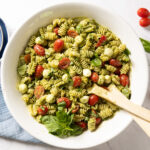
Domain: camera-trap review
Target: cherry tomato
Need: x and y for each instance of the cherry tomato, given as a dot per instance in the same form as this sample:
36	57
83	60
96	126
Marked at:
124	79
56	30
115	63
39	71
39	50
72	33
27	58
38	91
66	100
82	124
117	71
98	120
94	77
143	12
64	63
58	45
76	81
93	99
75	109
101	40
42	110
144	22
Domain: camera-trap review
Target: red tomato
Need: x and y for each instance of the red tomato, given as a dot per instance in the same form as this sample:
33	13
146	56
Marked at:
42	110
93	99
75	109
98	120
39	71
101	40
72	33
27	58
39	50
144	22
76	81
117	71
115	63
124	79
38	91
82	124
58	45
64	63
143	12
66	100
56	30
94	77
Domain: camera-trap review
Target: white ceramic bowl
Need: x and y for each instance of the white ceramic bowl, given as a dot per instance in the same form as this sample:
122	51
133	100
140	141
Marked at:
139	74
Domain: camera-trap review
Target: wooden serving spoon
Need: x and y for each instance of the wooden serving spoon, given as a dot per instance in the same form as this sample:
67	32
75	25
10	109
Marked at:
140	114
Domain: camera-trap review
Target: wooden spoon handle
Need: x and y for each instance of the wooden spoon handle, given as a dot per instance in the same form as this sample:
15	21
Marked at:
114	96
143	124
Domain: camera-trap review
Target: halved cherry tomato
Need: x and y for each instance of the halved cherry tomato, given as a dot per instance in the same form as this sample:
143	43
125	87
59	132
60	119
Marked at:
94	77
101	40
124	79
27	58
143	12
42	110
75	109
144	22
82	124
38	91
72	33
58	45
56	30
115	63
93	99
39	71
76	81
117	71
98	120
39	50
64	63
66	100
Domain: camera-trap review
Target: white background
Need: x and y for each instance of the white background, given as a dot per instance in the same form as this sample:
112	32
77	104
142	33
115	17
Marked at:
14	12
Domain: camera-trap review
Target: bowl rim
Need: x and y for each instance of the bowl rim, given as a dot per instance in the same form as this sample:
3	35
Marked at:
58	3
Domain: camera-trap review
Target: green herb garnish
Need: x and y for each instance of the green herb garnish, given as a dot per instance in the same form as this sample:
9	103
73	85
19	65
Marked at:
127	52
61	125
146	45
96	62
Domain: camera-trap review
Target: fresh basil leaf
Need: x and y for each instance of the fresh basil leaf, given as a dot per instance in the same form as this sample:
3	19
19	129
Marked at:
127	52
79	28
77	130
62	104
96	62
22	70
146	45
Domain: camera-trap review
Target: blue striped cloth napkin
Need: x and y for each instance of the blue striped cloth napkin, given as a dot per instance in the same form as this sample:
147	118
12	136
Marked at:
9	128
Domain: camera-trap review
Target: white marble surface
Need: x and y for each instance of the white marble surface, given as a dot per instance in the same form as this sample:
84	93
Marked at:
14	12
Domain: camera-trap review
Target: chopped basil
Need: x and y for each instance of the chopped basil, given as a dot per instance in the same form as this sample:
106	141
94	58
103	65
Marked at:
96	62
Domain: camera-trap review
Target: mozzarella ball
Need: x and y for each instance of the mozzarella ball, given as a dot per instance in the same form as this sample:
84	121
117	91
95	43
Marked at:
54	63
65	78
46	73
23	88
84	99
107	79
108	52
87	72
50	98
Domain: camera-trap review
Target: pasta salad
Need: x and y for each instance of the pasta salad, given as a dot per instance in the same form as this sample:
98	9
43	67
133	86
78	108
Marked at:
60	62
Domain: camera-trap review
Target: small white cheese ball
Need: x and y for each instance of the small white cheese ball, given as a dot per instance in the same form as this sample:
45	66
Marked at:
107	79
108	52
87	72
23	88
84	99
78	39
50	98
46	73
65	78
